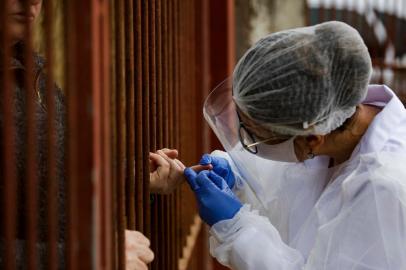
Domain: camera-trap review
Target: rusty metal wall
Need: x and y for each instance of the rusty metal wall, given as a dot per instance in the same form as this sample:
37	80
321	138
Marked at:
135	76
55	163
157	46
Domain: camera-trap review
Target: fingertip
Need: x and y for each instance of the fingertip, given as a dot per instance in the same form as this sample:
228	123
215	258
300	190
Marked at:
205	160
172	153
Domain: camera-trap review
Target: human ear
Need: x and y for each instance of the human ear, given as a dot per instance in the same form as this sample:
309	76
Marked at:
315	144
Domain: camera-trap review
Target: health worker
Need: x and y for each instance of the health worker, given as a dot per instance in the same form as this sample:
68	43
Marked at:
314	173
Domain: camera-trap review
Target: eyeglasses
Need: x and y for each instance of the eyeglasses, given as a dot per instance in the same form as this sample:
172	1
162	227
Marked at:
248	141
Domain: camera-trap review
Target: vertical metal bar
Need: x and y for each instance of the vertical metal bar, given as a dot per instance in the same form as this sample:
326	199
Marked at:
166	79
8	159
205	53
160	82
155	221
101	124
31	150
157	214
114	137
170	206
152	75
121	124
181	55
146	121
139	112
129	61
152	92
80	140
52	188
153	111
175	37
153	80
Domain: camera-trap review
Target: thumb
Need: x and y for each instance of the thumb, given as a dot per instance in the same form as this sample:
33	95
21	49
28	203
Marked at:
205	160
191	178
218	180
203	180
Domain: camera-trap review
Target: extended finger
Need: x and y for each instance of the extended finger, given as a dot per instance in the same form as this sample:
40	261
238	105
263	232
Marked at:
172	153
180	164
172	163
199	168
159	160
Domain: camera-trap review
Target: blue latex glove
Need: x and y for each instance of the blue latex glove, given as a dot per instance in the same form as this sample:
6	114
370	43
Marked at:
220	167
215	199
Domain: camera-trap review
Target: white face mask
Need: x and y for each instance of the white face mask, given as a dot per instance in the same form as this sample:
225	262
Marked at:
284	151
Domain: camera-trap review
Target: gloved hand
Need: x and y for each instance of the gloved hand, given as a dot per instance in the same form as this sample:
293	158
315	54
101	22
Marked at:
220	167
215	199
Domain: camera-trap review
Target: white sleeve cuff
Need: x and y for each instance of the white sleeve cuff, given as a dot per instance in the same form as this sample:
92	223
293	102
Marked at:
238	243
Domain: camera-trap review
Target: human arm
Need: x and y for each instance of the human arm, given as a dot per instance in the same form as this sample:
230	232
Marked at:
363	235
238	229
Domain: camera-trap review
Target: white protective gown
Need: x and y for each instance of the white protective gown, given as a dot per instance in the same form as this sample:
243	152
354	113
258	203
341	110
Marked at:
306	216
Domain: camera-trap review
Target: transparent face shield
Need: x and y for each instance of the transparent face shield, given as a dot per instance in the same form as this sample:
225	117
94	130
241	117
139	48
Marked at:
220	112
261	174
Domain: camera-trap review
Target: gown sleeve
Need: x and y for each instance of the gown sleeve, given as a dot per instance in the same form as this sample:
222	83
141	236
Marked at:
367	233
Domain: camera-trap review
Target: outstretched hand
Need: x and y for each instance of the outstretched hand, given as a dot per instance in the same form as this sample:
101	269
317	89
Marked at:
166	171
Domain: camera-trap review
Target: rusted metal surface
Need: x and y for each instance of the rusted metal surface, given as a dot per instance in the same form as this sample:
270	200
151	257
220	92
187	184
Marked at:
144	194
130	113
52	187
31	181
8	158
114	137
80	127
102	176
136	73
157	119
120	106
